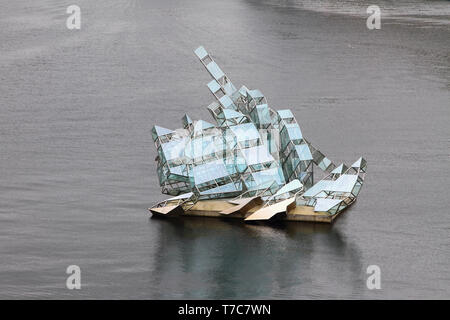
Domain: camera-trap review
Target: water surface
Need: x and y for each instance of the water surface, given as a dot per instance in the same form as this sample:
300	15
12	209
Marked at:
77	168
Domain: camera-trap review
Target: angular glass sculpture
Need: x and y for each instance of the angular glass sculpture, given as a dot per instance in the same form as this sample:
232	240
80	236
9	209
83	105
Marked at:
251	150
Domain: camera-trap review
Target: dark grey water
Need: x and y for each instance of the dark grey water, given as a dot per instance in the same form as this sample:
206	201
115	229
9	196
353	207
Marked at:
76	156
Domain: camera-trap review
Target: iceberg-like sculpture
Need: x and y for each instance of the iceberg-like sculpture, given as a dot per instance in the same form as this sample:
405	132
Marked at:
253	163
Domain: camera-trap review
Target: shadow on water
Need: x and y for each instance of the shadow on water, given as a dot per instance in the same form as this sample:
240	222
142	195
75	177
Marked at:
225	259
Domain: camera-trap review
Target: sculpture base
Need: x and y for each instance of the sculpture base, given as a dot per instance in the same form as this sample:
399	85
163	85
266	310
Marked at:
221	209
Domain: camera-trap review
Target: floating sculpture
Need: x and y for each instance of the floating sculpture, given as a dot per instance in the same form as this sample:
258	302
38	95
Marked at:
254	163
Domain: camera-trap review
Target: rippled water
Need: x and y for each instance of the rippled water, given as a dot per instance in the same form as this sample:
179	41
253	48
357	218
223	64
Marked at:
76	156
425	11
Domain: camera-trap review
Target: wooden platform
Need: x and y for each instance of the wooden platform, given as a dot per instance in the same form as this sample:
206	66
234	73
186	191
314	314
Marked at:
224	209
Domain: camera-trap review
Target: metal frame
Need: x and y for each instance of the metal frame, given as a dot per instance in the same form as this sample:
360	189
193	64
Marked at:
243	117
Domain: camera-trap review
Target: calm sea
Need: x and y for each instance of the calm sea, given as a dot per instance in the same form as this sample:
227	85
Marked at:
77	168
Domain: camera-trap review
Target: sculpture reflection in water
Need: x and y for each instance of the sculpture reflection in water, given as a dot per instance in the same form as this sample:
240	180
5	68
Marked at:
253	163
200	258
